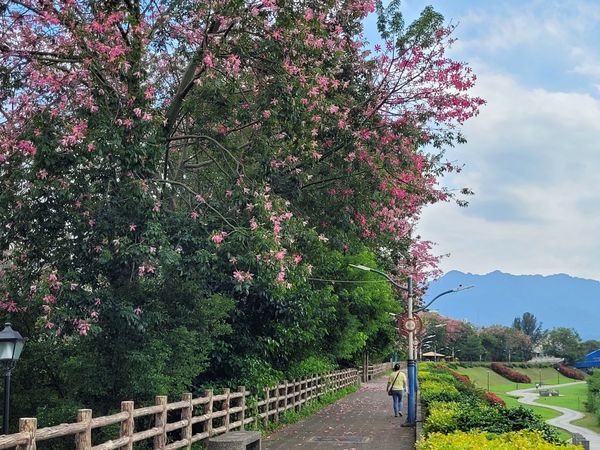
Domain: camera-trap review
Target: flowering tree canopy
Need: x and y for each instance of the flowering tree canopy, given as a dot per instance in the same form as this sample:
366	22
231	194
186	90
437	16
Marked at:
252	126
180	180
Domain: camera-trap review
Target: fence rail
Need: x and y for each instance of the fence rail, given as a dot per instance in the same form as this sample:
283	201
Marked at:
195	419
377	369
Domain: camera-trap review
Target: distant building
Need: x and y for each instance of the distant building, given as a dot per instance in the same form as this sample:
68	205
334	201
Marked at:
591	360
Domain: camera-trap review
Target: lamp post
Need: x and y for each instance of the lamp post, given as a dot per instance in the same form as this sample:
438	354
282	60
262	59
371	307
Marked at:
411	365
11	346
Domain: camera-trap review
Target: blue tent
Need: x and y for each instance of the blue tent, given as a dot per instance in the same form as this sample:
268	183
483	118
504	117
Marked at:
590	361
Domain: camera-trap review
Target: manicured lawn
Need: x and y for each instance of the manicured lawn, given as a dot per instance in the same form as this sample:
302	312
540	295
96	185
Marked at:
572	397
498	384
590	421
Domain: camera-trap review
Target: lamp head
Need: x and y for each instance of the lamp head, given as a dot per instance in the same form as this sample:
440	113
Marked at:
11	345
462	288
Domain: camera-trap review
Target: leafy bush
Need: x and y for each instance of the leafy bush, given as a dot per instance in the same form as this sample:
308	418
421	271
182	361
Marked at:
493	399
310	366
432	390
524	418
571	372
461	377
441	417
477	440
593	401
509	373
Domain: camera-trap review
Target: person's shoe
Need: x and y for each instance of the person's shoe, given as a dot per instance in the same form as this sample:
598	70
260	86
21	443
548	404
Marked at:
400	414
395	415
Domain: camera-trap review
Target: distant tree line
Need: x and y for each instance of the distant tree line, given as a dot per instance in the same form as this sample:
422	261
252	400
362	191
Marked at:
520	342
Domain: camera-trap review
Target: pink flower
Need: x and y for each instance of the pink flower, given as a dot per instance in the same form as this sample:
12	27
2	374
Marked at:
266	114
132	227
207	60
217	238
194	215
137	311
297	259
253	224
280	255
49	299
281	276
27	147
83	327
241	276
156	207
200	199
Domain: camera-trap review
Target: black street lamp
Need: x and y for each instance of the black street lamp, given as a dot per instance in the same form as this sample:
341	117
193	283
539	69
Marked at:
11	346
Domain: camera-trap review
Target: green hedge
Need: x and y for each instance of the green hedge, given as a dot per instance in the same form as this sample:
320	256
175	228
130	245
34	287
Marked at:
457	405
479	440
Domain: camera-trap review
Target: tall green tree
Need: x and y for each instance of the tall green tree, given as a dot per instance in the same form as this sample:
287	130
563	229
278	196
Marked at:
564	343
529	325
179	177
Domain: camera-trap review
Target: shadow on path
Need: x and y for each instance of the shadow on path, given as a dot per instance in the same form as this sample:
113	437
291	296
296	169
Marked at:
528	397
362	420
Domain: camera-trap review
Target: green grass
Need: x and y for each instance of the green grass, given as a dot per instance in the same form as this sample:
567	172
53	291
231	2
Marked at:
498	384
590	421
572	397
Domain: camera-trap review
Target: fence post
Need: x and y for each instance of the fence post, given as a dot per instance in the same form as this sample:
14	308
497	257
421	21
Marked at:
28	425
242	390
277	392
186	414
208	410
128	424
267	407
294	394
83	440
160	421
225	407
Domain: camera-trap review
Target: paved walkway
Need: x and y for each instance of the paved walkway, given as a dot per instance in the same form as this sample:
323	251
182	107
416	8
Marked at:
528	396
363	420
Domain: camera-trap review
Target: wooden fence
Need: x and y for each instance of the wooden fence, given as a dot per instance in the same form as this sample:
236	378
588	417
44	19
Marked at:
195	419
377	369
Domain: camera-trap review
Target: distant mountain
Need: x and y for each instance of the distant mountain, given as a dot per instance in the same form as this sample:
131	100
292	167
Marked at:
555	300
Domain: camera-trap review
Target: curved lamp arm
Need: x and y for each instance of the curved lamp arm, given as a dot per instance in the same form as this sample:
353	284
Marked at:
383	274
459	288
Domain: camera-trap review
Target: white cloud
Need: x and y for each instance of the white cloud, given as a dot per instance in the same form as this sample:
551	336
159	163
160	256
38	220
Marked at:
533	160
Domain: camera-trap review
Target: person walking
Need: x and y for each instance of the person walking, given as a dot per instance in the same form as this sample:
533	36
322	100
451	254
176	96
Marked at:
396	386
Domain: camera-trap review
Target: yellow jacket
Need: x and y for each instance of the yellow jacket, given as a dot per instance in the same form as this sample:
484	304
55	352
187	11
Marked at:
399	384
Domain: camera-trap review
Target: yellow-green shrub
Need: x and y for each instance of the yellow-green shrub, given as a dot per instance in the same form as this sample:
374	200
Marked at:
441	417
432	390
478	440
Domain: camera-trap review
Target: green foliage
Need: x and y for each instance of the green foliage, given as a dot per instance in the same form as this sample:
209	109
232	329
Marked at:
308	409
467	409
441	417
529	325
563	343
593	399
438	391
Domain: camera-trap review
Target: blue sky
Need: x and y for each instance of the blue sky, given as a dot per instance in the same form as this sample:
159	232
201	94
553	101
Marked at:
533	156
